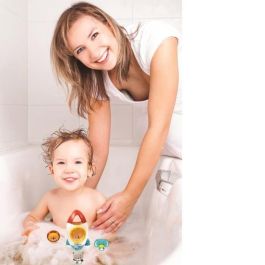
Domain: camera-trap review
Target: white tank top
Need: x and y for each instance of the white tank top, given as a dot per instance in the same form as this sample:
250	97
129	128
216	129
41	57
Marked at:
149	37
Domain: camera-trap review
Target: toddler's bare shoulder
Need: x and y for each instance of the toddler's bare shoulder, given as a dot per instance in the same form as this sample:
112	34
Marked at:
52	193
95	194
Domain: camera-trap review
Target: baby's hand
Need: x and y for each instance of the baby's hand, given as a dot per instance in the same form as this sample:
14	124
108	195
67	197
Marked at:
28	228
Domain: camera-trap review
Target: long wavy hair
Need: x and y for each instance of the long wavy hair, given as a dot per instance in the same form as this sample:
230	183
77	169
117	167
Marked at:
84	84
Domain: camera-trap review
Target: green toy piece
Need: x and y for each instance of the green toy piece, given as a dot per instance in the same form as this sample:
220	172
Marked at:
101	244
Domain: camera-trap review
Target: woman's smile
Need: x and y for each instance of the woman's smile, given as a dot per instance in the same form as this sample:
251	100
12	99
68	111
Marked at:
104	57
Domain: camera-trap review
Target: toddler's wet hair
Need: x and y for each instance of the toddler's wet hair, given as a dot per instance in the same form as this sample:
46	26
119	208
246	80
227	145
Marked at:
61	136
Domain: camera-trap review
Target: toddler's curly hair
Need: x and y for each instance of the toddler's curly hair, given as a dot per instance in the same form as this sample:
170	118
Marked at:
62	135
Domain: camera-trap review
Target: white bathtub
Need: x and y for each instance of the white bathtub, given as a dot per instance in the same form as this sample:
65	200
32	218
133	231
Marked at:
24	179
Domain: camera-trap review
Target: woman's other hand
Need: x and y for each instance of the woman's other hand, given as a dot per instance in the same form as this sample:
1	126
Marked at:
113	213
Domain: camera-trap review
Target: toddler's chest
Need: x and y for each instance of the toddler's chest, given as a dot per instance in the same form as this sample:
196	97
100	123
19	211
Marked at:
61	211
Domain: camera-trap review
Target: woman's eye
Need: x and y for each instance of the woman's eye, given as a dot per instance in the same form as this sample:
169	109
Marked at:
79	50
94	35
78	162
60	163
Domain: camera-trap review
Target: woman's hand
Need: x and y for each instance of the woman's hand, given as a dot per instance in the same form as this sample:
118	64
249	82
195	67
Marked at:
114	212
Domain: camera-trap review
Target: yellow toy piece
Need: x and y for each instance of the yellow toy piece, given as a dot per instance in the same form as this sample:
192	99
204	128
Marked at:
77	234
53	236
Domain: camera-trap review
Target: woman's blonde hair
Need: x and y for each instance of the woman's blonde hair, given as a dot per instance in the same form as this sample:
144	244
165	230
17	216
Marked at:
84	84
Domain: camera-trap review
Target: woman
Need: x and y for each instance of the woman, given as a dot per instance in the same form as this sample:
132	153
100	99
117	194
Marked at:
98	60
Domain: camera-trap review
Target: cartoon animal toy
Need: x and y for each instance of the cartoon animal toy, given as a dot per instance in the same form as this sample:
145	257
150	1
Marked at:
101	244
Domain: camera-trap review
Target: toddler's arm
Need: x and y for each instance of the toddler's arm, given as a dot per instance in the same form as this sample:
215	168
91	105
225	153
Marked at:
36	215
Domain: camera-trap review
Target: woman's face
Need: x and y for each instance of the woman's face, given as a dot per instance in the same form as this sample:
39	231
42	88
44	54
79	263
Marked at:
93	43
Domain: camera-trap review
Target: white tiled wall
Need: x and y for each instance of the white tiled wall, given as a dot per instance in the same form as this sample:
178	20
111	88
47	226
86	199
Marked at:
32	104
13	73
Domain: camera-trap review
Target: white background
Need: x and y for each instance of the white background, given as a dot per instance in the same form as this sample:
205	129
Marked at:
224	147
223	72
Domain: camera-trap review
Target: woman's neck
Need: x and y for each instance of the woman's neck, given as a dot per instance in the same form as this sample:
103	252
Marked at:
113	74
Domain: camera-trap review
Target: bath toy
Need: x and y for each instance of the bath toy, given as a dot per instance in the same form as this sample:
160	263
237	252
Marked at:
53	236
167	175
77	235
101	244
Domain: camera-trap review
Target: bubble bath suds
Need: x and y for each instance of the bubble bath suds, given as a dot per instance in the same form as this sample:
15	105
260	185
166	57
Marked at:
37	250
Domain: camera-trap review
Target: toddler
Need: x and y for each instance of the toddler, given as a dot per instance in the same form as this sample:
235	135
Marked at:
69	156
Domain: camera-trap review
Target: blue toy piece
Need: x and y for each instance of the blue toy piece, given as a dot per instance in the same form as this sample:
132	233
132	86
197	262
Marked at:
78	246
101	244
87	243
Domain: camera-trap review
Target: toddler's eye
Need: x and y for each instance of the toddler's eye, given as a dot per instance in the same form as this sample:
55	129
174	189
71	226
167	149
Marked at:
94	35
60	163
78	162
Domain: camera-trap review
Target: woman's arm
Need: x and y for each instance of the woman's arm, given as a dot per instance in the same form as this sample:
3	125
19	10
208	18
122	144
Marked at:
99	135
162	96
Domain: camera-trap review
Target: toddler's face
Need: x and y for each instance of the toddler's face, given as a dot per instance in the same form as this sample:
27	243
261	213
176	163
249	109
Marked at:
70	164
